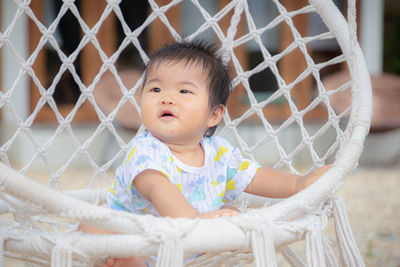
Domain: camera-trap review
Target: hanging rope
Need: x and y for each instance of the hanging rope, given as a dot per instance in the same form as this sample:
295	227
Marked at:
61	255
349	253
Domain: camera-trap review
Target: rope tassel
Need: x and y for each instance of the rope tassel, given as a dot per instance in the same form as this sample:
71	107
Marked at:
292	257
263	248
319	251
315	249
61	256
349	253
328	252
170	253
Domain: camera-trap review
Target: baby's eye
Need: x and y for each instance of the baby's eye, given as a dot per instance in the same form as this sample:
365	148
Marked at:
155	90
184	91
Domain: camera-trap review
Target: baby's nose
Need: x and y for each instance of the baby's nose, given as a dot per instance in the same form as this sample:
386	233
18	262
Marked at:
167	100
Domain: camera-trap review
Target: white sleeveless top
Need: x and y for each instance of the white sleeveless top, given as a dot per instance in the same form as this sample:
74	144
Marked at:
223	177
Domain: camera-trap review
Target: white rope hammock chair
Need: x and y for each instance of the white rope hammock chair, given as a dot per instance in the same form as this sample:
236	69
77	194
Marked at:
38	222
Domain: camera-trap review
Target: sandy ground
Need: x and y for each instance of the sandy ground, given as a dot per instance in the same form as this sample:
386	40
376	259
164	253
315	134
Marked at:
372	198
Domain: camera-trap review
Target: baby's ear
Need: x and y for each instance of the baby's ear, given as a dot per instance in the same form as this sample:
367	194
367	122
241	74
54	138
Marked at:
216	116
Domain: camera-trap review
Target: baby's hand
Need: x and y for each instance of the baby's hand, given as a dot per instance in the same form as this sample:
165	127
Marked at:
305	181
225	212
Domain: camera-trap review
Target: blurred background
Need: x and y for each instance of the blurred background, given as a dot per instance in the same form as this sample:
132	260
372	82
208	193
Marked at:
68	95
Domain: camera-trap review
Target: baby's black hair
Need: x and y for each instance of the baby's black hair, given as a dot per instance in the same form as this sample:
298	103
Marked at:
204	54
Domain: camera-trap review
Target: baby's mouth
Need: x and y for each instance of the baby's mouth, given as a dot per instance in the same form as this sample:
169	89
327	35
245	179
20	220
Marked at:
167	114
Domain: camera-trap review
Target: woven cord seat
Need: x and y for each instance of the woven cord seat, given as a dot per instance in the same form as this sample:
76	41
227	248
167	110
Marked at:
265	226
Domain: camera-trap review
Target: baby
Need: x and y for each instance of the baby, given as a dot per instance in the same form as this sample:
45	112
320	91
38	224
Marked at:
177	167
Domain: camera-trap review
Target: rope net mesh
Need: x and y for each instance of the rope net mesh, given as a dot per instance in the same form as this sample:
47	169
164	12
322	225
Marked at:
289	136
292	125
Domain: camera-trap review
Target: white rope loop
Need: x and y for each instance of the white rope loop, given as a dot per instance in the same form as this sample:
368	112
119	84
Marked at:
351	17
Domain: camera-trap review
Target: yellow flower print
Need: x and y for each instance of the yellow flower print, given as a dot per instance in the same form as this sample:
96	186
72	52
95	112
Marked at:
219	180
179	187
244	165
222	194
179	169
130	154
166	175
146	210
111	189
230	185
222	150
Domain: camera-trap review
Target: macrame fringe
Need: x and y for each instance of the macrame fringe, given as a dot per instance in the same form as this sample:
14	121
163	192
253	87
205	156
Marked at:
292	257
349	253
328	252
263	247
319	251
61	256
170	253
315	249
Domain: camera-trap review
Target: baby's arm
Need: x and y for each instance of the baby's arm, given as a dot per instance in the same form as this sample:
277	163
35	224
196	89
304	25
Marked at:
168	201
167	198
272	183
163	195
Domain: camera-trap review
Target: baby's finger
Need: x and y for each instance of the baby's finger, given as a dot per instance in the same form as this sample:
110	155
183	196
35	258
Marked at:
228	212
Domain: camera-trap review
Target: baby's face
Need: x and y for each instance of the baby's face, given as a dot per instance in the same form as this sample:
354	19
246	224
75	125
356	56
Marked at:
174	102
